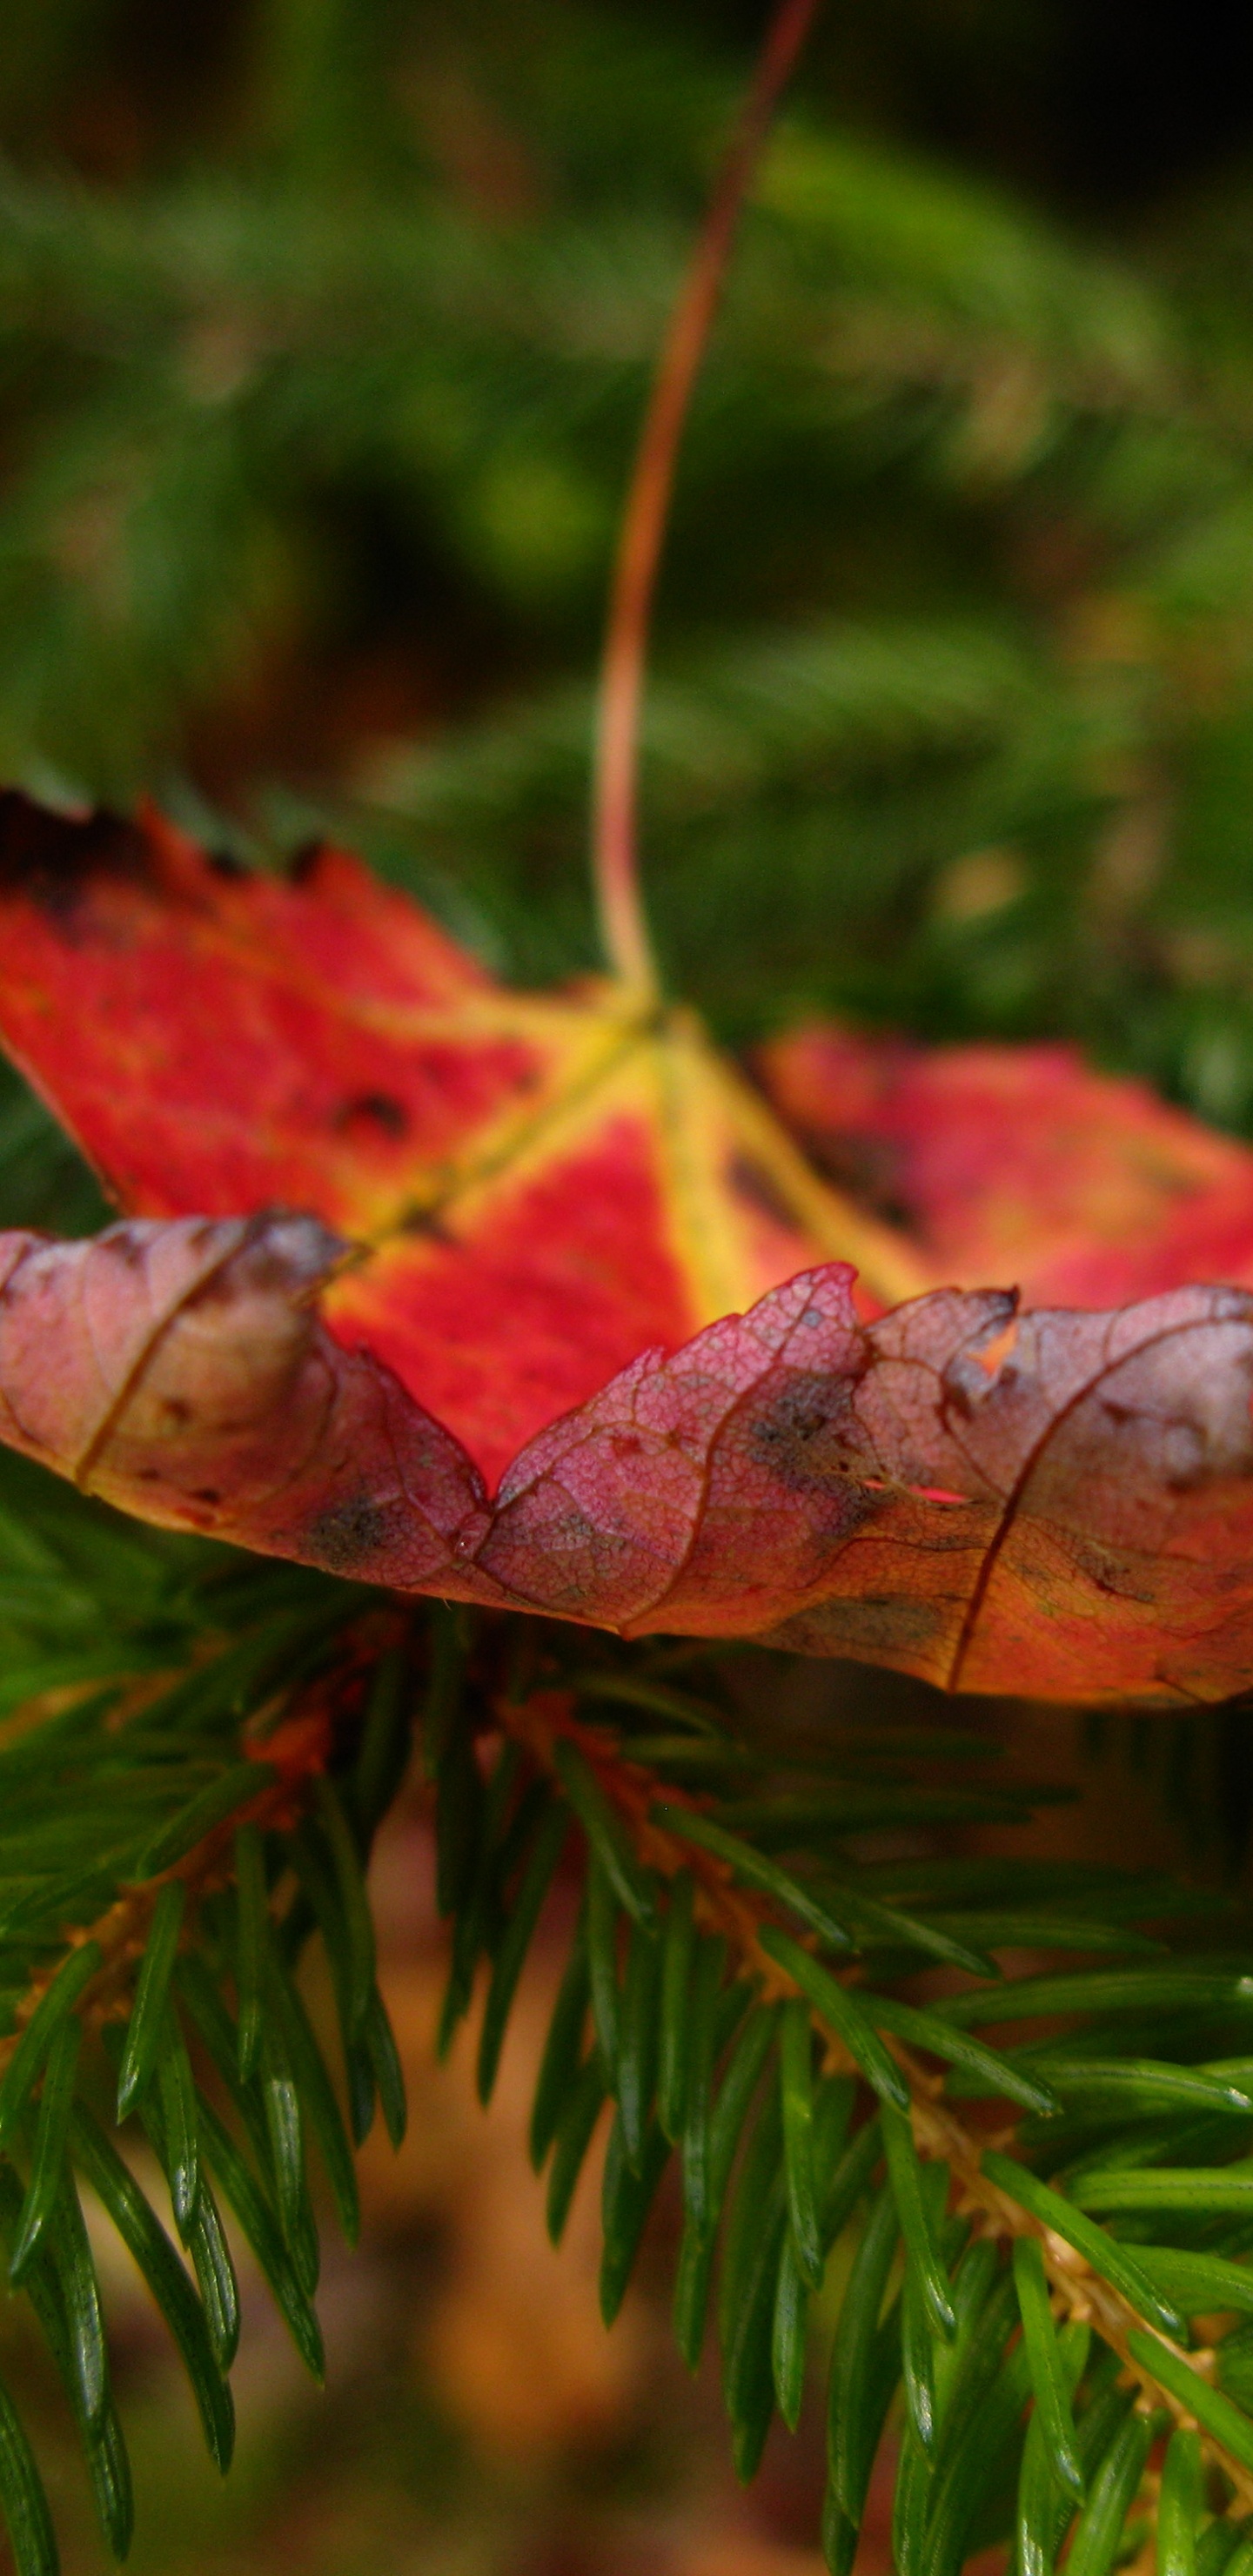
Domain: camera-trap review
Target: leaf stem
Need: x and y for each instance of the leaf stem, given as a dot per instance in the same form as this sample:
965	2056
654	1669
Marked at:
624	930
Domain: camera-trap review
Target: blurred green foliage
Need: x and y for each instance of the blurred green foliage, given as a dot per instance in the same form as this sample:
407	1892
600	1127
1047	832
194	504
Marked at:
325	327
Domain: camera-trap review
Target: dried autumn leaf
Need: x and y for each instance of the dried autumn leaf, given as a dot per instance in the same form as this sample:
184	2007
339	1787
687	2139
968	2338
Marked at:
1061	1503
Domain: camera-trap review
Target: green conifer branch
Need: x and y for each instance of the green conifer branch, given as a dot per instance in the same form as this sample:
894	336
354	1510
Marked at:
725	1913
731	1906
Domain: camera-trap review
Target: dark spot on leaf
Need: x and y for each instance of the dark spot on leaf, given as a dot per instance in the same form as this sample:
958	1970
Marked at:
804	1436
176	1409
206	1494
303	864
378	1109
17	1286
862	1627
752	1182
225	864
124	1245
427	1221
1123	1581
866	1168
350	1535
54	858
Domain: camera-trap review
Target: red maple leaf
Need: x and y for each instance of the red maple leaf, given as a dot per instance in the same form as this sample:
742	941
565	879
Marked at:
550	1190
536	1221
1017	1162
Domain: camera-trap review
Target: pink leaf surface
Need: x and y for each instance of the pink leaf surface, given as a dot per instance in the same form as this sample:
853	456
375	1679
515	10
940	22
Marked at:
1059	1504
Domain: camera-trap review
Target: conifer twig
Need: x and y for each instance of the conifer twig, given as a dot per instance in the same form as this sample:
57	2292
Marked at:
545	1719
615	857
293	1755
